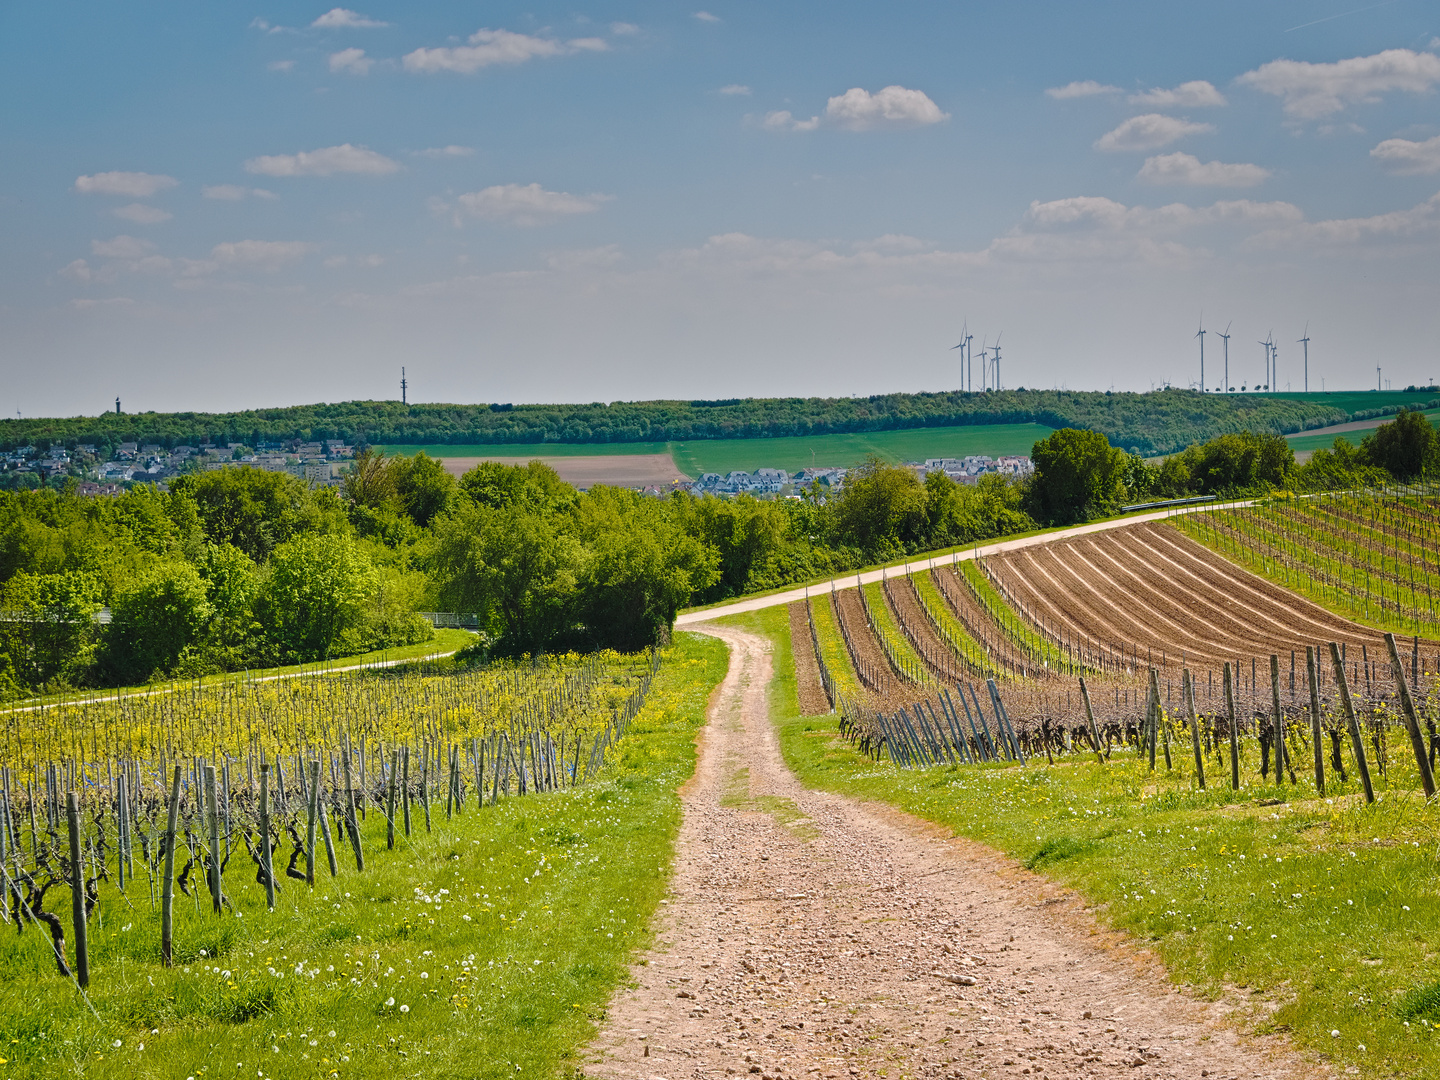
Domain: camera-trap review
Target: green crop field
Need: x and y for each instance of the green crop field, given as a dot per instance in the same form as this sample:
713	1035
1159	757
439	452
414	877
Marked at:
803	451
1352	401
1301	443
527	450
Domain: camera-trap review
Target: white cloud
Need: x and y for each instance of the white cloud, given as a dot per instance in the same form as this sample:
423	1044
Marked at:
134	185
1421	222
624	29
894	106
1409	158
487	47
121	247
527	204
85	303
1310	91
344	158
1188	169
1190	95
142	214
280	65
368	262
782	120
234	192
344	19
1149	132
585	258
446	152
264	254
353	61
78	270
706	17
735	90
1087	88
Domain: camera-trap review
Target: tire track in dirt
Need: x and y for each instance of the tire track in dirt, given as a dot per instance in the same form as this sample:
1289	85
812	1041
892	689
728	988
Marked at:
803	932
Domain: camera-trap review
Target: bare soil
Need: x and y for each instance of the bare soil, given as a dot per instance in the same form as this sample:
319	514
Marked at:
617	470
809	689
809	935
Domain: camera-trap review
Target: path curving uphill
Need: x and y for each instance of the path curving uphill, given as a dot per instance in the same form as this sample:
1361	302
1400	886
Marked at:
810	936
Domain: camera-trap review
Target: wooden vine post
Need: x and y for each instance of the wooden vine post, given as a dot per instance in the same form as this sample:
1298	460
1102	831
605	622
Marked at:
1412	722
1357	741
77	892
312	802
390	801
1089	719
351	825
1234	732
266	869
167	884
213	814
1188	689
1315	734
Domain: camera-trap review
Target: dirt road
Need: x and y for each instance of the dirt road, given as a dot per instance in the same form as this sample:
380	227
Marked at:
808	935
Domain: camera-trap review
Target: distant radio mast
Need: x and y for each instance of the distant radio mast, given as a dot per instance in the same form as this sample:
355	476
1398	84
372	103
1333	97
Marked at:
117	406
403	387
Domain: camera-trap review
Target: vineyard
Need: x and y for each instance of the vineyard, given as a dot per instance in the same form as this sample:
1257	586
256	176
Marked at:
1145	640
264	860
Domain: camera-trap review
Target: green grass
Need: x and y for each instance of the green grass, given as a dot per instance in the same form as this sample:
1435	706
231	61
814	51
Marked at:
444	642
527	450
801	451
1353	401
1301	443
1319	915
488	948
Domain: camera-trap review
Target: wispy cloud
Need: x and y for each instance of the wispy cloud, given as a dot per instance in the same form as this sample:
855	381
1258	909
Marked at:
234	192
134	185
352	61
784	120
1310	91
527	204
446	152
624	29
1186	169
735	90
142	214
1406	158
332	159
1190	95
268	255
121	247
706	17
1149	132
486	48
1086	88
345	19
894	106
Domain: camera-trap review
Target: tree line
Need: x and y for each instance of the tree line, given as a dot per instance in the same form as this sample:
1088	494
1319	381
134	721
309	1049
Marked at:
242	568
1159	422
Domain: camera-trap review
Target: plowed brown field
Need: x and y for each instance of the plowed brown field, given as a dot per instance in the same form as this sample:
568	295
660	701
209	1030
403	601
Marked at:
1151	591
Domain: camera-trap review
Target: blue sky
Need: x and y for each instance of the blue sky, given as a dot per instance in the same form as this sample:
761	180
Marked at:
220	206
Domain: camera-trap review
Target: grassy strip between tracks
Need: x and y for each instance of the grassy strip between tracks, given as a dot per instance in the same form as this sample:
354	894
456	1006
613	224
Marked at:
1324	913
486	948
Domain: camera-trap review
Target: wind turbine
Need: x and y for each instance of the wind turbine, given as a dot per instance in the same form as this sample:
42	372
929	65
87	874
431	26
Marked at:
1274	363
1266	344
961	347
983	352
1226	338
1201	335
996	347
1305	341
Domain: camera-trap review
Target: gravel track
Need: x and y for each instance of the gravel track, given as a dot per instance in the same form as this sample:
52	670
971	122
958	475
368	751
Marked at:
809	935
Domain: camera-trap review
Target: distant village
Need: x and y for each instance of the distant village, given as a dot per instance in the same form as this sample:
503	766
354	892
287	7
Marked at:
109	472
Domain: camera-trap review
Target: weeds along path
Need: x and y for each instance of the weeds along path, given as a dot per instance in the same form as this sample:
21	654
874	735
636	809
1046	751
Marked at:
809	935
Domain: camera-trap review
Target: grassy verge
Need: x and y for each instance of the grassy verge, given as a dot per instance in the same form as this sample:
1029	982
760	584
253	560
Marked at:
445	642
486	948
1323	915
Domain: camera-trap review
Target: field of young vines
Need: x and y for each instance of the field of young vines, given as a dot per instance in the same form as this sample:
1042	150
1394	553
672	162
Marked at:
1144	641
319	875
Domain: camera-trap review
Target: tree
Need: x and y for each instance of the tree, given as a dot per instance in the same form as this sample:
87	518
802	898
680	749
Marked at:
1405	447
880	509
257	511
1242	462
154	620
48	628
515	568
422	486
316	591
1078	476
